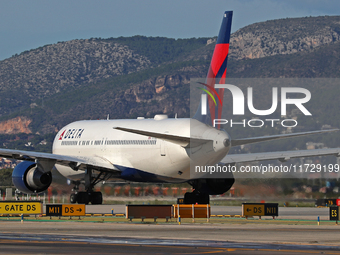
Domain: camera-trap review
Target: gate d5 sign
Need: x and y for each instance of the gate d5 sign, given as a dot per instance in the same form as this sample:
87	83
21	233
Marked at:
19	207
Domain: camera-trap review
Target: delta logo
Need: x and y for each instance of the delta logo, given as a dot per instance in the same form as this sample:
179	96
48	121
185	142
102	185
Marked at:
71	133
61	136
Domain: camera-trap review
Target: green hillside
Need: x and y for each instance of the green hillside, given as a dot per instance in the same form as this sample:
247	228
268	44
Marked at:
127	77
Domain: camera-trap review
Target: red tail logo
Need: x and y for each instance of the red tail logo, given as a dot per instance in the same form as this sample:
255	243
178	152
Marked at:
218	66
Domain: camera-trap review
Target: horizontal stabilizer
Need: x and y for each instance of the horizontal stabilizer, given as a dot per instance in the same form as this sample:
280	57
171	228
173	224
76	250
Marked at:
180	140
243	141
279	155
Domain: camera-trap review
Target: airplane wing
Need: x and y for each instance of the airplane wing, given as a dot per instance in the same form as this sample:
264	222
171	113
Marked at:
243	141
75	162
279	155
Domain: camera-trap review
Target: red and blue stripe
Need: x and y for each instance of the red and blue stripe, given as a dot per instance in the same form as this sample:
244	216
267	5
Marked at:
218	66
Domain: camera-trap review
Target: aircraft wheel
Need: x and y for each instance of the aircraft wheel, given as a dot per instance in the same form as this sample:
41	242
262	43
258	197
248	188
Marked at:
189	198
96	198
73	198
203	199
195	197
83	198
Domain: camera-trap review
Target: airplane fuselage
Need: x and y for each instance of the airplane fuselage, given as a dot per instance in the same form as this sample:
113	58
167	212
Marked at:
138	157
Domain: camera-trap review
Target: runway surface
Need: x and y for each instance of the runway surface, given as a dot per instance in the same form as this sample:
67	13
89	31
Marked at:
67	244
243	237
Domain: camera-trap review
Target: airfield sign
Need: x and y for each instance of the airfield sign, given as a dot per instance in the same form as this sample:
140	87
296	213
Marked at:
65	210
20	207
334	213
73	210
260	209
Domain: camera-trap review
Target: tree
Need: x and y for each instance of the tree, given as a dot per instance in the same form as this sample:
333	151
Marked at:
6	177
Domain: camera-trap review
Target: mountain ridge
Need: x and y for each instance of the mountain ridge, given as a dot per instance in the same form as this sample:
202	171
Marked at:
142	76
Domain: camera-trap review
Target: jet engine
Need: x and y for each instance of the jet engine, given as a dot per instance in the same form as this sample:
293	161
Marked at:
30	177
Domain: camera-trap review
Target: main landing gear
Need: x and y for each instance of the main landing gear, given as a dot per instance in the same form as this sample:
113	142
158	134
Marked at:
204	187
85	197
196	197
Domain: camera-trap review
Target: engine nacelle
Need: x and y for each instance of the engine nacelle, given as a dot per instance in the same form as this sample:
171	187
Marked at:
28	177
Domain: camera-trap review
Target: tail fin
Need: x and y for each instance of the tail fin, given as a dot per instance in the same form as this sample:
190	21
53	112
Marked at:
216	74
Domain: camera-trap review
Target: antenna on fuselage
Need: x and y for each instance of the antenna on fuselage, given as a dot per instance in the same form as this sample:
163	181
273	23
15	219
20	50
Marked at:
108	117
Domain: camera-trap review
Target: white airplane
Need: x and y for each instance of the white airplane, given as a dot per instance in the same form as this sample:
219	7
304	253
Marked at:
146	150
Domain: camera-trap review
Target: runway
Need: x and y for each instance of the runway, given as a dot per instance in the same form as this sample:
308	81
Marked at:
231	237
67	244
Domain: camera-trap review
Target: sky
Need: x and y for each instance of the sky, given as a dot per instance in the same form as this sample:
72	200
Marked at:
26	25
